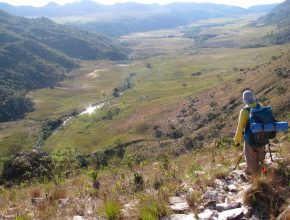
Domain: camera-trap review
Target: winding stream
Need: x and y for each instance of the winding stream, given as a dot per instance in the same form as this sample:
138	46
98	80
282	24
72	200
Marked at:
128	84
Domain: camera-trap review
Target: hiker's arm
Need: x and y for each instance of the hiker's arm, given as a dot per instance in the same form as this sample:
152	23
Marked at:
241	125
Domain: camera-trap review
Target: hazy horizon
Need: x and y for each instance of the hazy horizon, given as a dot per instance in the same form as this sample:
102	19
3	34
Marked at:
240	3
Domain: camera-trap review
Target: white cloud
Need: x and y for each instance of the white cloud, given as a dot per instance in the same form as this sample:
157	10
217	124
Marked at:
242	3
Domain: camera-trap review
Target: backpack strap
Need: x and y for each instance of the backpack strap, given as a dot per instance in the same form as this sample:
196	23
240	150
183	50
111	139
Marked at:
247	108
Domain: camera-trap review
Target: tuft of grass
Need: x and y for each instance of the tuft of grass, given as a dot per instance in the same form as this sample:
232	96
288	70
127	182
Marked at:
152	211
112	210
58	193
35	192
152	208
220	173
24	217
193	199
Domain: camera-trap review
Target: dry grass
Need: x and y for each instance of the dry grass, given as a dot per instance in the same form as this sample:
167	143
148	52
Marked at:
269	193
193	200
35	192
165	176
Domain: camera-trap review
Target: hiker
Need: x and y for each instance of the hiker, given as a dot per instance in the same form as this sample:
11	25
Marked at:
254	155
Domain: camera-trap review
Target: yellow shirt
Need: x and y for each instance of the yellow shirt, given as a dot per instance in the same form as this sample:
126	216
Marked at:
243	119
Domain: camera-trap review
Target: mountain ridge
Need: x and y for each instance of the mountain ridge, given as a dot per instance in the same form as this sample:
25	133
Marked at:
124	18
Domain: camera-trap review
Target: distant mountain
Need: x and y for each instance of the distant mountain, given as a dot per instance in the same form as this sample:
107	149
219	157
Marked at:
83	7
153	17
123	18
262	8
36	53
280	17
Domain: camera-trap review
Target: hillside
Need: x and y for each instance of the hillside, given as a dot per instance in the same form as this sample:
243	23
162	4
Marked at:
124	18
280	17
37	53
162	128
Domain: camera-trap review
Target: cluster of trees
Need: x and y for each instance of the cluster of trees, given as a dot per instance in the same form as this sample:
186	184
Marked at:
13	104
128	84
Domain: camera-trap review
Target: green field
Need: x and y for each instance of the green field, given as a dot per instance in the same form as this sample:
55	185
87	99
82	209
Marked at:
163	62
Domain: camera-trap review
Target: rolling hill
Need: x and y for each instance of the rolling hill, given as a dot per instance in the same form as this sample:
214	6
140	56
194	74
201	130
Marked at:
36	53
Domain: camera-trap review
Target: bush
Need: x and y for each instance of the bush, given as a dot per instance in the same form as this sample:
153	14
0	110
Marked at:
157	131
188	143
175	134
25	167
139	182
50	126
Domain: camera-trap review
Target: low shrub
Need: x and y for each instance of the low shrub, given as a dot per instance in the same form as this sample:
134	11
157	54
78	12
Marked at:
28	166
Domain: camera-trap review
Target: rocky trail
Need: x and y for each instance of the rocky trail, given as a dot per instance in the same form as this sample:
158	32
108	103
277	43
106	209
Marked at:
223	201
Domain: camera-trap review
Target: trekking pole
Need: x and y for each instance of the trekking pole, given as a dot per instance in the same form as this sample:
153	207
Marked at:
269	146
239	161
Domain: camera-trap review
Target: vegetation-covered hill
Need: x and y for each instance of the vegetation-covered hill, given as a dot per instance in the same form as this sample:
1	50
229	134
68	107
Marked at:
123	18
280	17
36	53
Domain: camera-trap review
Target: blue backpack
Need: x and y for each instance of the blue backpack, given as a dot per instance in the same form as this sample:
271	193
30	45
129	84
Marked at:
261	116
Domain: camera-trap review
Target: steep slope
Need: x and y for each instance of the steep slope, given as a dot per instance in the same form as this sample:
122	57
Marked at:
279	17
37	53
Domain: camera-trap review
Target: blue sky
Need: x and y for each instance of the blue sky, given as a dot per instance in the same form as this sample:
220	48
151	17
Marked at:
242	3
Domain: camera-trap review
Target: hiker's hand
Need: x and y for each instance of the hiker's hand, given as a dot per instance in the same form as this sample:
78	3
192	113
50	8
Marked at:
238	145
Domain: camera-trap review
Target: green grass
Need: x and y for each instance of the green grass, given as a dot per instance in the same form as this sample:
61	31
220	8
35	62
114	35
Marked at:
112	210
